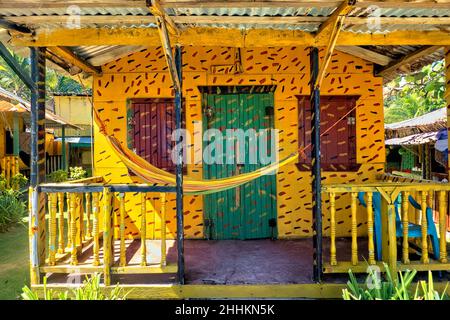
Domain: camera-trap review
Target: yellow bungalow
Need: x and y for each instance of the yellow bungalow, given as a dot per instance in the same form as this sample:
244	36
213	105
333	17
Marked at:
15	138
219	217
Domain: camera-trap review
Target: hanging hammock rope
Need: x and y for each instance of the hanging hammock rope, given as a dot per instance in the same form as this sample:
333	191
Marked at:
154	175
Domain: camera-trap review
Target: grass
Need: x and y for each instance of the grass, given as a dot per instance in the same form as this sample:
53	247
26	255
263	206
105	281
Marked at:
14	272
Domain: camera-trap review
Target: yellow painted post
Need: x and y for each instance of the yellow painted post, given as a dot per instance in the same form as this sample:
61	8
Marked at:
13	171
73	230
143	229
4	167
69	221
61	223
370	227
354	231
333	260
107	236
405	223
8	172
442	227
424	228
33	229
163	229
88	215
122	260
392	236
96	249
52	229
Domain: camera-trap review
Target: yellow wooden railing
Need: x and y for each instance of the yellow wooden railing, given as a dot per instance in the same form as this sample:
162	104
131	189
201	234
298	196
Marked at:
424	192
10	167
81	222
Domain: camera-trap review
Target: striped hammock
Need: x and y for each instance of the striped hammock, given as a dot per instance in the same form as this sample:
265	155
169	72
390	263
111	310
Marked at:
154	175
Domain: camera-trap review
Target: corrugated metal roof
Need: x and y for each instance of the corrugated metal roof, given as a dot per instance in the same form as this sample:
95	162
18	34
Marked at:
426	119
414	139
99	55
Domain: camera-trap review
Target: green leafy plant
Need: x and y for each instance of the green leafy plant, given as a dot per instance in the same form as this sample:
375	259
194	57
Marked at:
12	209
89	290
415	94
57	176
393	287
19	181
76	173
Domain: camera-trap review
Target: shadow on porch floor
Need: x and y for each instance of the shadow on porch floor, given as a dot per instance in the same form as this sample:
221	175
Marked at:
227	261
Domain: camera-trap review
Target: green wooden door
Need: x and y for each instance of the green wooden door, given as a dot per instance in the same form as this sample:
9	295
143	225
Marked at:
244	212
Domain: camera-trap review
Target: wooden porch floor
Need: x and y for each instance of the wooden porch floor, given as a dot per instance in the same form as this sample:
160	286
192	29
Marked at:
212	262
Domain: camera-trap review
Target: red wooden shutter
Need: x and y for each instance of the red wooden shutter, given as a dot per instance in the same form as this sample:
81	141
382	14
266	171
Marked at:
153	123
338	132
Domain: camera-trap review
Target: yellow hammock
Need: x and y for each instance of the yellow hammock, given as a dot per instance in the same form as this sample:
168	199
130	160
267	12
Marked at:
154	175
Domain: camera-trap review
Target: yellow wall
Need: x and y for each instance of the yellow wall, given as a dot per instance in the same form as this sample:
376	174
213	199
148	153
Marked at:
77	109
144	74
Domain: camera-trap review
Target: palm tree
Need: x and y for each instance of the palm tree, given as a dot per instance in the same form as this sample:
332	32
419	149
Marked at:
55	82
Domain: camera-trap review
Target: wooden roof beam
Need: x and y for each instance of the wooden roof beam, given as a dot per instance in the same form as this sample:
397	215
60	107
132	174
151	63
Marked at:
409	58
6	24
158	11
366	54
69	56
344	8
223	37
329	50
167	48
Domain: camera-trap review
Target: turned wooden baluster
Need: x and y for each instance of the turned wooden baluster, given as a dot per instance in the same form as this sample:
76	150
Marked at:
73	229
333	260
122	260
143	229
107	236
163	229
88	215
424	228
370	228
442	227
60	223
96	246
80	214
69	222
52	229
4	167
405	223
16	161
8	172
354	230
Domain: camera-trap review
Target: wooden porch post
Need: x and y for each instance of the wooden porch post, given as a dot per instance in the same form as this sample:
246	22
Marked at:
447	91
315	167
37	166
179	169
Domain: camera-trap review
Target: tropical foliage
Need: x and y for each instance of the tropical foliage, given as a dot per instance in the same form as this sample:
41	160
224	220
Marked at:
393	287
56	83
89	290
12	208
415	94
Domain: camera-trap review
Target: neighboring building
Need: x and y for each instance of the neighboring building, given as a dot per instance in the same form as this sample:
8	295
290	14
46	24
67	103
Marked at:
419	145
15	136
78	108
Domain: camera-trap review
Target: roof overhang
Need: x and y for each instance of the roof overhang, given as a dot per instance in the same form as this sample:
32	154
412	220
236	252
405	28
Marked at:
93	33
